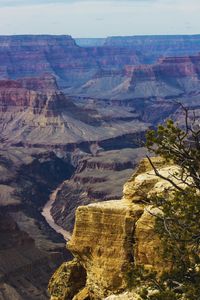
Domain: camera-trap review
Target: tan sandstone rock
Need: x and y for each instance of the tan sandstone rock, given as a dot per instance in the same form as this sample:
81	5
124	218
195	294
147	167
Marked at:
144	183
148	246
102	240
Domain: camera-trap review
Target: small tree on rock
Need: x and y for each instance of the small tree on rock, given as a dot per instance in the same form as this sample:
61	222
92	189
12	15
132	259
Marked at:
179	223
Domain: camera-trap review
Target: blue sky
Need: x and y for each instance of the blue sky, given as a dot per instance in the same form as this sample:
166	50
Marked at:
99	18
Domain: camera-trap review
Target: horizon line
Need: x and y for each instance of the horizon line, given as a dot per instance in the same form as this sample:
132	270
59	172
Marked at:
99	37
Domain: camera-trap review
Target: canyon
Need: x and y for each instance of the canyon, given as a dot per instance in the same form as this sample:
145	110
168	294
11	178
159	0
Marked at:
73	115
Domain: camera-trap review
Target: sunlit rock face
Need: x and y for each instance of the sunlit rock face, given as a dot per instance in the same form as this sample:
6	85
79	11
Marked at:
111	236
124	296
102	238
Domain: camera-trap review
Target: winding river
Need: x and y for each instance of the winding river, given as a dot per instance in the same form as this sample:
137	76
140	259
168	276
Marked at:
46	212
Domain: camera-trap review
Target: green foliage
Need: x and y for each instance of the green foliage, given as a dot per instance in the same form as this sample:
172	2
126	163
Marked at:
178	224
137	275
163	295
181	147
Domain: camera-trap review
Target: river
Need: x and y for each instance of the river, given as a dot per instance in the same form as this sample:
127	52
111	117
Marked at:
46	212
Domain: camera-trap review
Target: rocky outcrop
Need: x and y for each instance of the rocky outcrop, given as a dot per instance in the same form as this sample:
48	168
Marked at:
106	251
124	296
109	237
59	96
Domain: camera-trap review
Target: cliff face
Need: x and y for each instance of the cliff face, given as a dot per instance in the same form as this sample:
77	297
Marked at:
58	98
111	236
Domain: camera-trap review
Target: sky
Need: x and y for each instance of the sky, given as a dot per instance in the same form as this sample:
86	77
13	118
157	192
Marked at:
99	18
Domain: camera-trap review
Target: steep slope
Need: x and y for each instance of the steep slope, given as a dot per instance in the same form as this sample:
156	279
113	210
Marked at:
74	115
27	177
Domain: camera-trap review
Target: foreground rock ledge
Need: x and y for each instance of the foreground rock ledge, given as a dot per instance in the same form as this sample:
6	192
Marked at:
109	236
